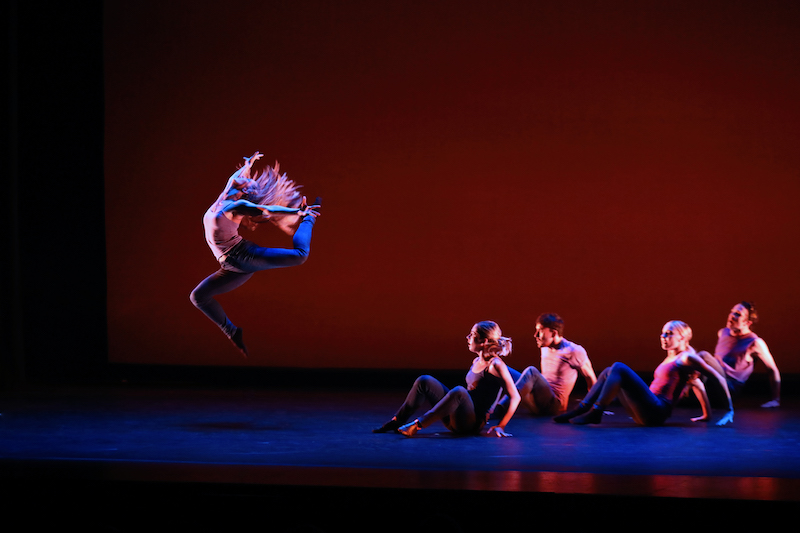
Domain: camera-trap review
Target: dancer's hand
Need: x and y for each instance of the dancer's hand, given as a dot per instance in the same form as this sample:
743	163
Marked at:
496	431
308	210
253	158
727	418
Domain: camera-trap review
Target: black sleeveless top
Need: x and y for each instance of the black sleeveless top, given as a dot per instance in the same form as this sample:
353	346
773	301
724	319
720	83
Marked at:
484	389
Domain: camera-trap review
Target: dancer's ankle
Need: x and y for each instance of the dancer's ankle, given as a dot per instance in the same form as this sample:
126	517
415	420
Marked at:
390	426
237	340
569	415
409	430
592	416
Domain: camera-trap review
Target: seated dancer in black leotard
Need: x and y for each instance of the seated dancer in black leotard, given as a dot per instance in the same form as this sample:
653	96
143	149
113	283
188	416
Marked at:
464	409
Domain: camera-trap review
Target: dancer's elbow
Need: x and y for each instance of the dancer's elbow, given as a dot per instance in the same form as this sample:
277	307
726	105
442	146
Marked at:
301	255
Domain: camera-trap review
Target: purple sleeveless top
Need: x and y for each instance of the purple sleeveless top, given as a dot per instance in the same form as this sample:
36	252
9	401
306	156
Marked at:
669	379
731	351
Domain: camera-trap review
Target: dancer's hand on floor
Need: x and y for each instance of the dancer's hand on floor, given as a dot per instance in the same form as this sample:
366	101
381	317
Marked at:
727	418
496	431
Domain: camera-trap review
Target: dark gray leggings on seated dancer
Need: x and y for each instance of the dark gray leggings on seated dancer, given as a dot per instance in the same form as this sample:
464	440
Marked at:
249	258
453	407
619	380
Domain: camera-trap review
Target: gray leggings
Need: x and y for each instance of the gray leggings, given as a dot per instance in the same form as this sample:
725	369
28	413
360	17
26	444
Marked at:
534	393
248	258
619	381
453	407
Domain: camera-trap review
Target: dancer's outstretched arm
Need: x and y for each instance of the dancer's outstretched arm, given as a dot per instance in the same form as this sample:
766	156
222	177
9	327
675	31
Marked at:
241	178
760	350
588	374
700	392
693	361
246	207
513	401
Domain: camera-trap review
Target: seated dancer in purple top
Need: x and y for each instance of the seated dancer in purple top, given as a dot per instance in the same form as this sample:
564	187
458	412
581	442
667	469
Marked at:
737	350
464	409
651	406
249	201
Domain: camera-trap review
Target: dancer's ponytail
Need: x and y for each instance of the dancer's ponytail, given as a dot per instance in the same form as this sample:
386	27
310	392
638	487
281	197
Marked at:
493	337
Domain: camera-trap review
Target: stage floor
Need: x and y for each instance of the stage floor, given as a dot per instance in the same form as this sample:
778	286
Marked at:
188	442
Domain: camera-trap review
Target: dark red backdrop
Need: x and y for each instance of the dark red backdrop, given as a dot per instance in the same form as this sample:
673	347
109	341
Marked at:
620	163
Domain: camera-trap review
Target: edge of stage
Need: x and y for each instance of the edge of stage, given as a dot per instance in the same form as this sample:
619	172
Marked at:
176	448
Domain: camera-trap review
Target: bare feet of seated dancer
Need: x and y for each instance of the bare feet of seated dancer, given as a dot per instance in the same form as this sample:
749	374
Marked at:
463	410
250	201
652	406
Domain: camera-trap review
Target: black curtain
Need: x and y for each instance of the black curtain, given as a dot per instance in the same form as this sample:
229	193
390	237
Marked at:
54	268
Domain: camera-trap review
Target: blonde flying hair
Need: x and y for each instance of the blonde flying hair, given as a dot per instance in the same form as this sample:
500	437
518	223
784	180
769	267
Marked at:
272	188
491	333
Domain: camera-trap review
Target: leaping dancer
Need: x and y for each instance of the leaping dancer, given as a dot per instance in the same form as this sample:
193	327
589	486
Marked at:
248	201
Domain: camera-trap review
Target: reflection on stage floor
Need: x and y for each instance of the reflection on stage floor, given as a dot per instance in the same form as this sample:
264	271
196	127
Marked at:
221	446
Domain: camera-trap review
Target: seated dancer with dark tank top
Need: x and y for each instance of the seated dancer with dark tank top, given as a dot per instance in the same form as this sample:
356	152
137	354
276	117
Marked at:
651	406
736	352
464	409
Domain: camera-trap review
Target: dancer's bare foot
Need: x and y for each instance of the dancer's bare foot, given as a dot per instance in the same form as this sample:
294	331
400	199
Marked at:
238	342
392	425
410	429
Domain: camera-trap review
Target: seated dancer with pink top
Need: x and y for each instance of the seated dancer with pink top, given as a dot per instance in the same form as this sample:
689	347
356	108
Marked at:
546	393
250	201
651	406
464	409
